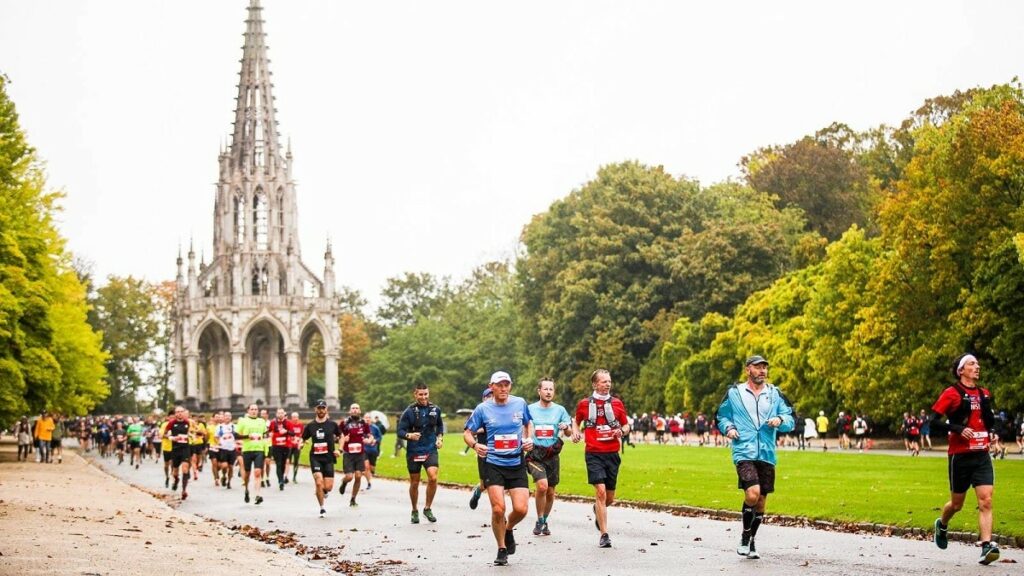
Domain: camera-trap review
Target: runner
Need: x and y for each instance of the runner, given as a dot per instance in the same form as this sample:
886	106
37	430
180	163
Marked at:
201	444
323	432
166	449
372	449
295	442
421	426
280	449
964	412
751	415
119	440
227	446
604	422
355	432
265	415
550	420
509	435
177	431
251	430
213	451
481	436
134	433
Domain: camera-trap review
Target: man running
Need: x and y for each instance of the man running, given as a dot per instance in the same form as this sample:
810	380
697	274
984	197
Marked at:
225	436
354	432
509	435
295	442
604	421
323	433
280	437
550	420
481	436
177	432
423	430
119	439
251	429
964	411
372	449
134	433
751	415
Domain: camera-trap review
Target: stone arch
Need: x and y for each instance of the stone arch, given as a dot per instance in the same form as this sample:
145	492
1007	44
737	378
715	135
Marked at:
264	315
203	324
213	363
264	361
314	342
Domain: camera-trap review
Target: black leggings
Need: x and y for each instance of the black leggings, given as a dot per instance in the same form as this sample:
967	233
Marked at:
280	454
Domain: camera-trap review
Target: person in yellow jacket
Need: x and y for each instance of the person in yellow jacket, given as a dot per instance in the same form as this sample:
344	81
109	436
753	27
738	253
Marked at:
822	423
197	435
43	435
165	449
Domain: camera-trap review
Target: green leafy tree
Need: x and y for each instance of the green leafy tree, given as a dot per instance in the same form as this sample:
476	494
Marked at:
127	315
412	295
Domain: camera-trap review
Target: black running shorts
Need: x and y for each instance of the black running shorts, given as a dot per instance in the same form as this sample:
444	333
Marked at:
970	469
253	458
417	462
227	456
756	473
603	468
351	463
508	477
544	470
322	465
180	453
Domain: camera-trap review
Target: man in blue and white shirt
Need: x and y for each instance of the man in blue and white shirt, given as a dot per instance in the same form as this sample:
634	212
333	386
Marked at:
550	421
506	419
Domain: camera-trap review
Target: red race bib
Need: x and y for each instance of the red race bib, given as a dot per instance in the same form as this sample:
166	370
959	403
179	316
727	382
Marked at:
506	441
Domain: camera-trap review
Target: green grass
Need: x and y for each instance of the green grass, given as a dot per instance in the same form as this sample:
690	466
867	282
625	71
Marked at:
849	487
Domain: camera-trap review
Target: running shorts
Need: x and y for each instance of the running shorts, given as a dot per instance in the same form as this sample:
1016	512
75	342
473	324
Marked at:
180	454
970	469
756	473
416	462
322	465
603	468
507	477
250	459
546	469
351	463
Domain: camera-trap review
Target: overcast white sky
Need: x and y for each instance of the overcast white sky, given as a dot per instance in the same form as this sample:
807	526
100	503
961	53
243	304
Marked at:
427	134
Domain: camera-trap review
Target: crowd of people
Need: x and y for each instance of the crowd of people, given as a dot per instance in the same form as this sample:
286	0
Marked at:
516	441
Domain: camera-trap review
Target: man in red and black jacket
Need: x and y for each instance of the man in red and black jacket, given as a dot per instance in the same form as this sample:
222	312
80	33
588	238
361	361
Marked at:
964	410
296	426
605	422
281	445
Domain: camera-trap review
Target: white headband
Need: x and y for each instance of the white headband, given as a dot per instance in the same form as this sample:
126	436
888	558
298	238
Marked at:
963	361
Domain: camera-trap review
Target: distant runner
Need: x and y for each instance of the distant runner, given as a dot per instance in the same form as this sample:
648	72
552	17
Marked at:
322	433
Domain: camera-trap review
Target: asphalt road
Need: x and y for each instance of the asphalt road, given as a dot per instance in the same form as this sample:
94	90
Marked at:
643	541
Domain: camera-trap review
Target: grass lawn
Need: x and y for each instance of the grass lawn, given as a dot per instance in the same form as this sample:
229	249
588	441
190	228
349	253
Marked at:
843	486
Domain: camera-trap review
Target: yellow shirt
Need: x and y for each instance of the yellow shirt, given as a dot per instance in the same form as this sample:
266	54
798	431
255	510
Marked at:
822	424
165	442
197	433
44	429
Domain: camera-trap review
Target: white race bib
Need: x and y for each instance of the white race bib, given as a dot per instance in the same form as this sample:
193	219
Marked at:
545	431
506	441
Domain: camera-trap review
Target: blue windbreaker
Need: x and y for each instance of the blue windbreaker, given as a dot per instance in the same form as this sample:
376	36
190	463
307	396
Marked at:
757	439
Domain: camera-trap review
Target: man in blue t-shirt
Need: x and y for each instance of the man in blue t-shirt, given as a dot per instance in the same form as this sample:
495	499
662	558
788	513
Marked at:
506	419
550	420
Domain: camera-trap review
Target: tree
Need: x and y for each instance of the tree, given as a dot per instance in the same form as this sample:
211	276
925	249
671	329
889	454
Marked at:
127	316
410	296
49	358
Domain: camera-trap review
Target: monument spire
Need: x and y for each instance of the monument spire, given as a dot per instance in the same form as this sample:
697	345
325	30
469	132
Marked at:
254	142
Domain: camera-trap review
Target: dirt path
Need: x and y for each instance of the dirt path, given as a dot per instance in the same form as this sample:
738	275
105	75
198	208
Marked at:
71	518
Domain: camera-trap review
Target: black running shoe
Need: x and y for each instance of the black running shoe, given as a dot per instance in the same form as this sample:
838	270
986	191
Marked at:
280	486
605	541
546	530
538	528
502	559
940	536
167	481
246	496
474	500
989	553
344	484
175	486
510	542
259	499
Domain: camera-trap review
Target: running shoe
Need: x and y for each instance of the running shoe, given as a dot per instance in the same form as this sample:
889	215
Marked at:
744	546
502	559
538	528
167	481
280	486
259	499
368	485
175	486
605	541
323	512
510	542
352	504
940	536
344	484
474	500
415	517
989	553
184	495
429	514
246	496
752	553
546	531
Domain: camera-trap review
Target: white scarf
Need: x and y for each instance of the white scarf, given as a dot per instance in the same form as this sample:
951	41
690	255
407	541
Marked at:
603	398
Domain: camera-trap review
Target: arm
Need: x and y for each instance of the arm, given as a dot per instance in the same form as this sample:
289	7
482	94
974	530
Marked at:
724	417
403	425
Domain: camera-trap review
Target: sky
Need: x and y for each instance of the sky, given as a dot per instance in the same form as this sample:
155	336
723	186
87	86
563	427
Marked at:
426	135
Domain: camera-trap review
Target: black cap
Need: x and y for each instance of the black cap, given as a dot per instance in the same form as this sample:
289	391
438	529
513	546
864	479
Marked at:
755	359
321	404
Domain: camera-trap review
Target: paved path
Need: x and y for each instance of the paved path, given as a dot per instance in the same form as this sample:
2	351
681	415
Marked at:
644	541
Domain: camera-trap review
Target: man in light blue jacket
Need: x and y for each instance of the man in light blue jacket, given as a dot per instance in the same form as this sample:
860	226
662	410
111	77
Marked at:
750	415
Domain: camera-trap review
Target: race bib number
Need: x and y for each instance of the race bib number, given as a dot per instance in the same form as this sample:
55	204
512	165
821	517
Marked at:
506	441
280	440
420	458
604	433
979	441
545	431
355	447
180	438
320	448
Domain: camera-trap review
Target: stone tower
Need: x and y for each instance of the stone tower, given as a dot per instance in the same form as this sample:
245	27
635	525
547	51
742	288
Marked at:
244	322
